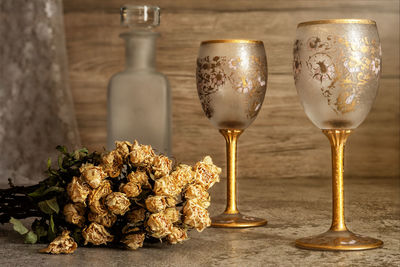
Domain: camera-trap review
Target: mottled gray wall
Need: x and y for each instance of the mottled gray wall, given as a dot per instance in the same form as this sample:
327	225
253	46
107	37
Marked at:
36	108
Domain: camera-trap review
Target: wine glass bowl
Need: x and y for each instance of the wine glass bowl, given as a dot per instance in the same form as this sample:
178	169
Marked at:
336	68
231	80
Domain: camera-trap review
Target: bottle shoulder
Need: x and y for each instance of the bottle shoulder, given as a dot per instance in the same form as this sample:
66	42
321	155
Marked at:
133	79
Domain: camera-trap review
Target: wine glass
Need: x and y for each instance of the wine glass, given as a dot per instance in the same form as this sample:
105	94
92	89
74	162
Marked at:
336	71
231	83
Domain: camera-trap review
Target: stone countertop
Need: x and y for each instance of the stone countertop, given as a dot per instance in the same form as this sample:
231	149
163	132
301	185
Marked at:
294	208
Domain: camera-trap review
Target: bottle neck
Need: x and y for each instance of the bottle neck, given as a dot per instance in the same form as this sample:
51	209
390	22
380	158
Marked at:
140	50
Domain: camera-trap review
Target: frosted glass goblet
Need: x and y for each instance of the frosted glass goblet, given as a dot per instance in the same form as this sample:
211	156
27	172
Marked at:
231	83
336	69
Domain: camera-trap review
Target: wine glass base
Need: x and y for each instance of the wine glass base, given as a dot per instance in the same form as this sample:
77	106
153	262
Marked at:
338	240
236	221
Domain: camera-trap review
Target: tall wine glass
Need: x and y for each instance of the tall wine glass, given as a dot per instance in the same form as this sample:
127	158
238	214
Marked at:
231	83
336	70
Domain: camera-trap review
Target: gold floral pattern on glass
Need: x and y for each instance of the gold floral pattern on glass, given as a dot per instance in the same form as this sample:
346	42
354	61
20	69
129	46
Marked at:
245	76
342	67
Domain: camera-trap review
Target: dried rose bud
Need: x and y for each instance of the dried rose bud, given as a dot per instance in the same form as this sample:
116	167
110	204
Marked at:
96	234
93	175
118	203
206	173
182	175
77	190
177	235
141	155
204	203
162	165
123	148
196	216
74	213
172	214
129	229
61	244
131	189
166	187
106	220
112	164
156	203
139	177
136	216
96	195
134	241
196	191
159	225
171	201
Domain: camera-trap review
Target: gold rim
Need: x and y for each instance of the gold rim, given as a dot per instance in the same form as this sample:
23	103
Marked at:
337	21
236	41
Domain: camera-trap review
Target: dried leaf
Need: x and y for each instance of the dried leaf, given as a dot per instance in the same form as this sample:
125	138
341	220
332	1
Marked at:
38	192
60	162
62	149
31	238
52	230
18	226
49	206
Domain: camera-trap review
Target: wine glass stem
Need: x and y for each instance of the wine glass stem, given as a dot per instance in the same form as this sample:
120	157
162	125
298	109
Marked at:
337	138
231	136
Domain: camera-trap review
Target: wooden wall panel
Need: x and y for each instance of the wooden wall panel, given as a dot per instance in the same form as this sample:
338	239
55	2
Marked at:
282	142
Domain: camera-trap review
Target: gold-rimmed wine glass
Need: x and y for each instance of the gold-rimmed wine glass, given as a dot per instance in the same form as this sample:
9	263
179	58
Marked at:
231	83
337	67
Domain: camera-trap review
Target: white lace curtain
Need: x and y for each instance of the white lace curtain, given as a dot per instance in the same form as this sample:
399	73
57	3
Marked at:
36	107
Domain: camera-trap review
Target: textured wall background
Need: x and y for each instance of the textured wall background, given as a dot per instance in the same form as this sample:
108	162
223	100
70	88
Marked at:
282	142
36	108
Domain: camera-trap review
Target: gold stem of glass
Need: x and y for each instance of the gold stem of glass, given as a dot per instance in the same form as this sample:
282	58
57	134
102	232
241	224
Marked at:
337	138
231	137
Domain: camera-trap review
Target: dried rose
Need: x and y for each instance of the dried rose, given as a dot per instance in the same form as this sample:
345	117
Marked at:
172	214
123	148
106	220
135	216
131	189
96	234
96	195
156	203
177	235
61	244
93	175
193	191
118	203
196	216
77	190
134	241
74	213
139	177
129	228
166	186
182	175
161	166
159	225
171	201
112	164
141	155
206	173
196	191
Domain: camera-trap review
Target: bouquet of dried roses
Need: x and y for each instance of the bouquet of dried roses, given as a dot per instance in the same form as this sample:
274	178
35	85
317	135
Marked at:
120	198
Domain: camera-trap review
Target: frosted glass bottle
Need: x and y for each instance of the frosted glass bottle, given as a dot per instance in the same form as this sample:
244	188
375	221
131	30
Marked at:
139	96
